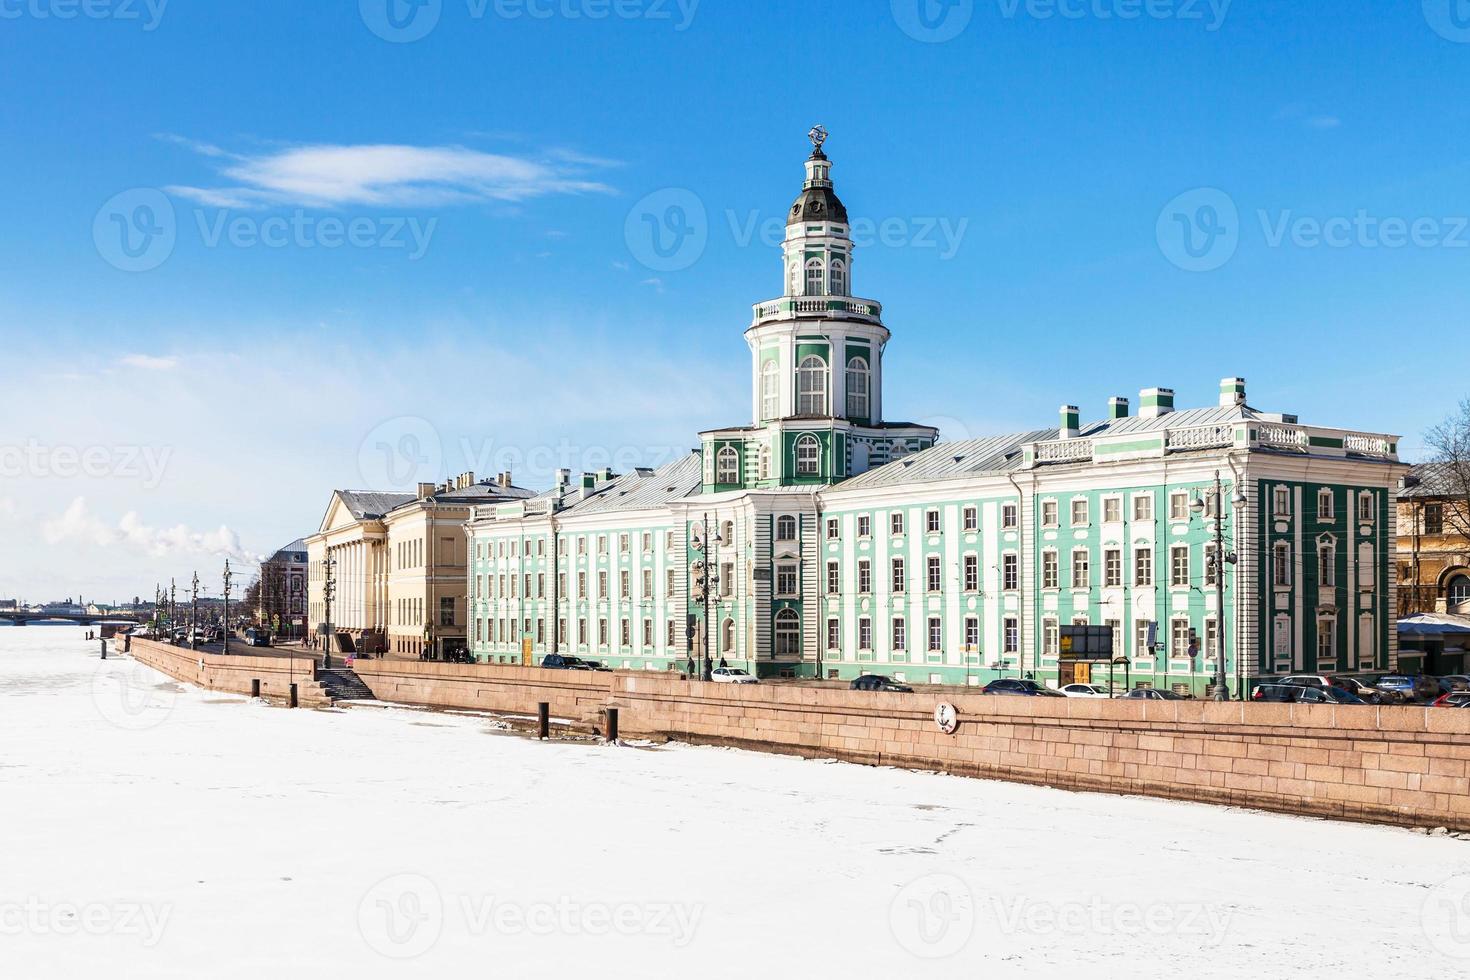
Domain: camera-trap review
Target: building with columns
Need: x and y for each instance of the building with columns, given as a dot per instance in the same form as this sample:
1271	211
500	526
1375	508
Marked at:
396	567
822	540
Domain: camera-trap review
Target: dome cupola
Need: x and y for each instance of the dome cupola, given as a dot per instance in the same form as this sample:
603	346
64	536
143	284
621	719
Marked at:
818	201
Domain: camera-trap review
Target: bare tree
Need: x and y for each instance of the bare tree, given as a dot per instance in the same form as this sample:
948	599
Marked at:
1448	480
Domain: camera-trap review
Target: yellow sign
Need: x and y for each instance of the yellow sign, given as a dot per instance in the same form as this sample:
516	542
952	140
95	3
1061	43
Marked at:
526	656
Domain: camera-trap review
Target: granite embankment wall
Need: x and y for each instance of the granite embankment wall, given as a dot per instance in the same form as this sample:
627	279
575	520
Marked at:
1397	765
235	672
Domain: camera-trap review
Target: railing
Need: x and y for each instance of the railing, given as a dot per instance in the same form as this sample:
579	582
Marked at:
1206	437
790	307
1222	436
1367	445
1064	451
1283	437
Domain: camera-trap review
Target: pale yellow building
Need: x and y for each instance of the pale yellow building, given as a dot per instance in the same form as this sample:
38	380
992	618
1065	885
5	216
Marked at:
396	564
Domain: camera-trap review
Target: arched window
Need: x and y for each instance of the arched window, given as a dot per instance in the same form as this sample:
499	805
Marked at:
814	278
857	388
727	534
788	633
808	456
765	463
785	528
811	386
1459	590
795	277
727	636
770	390
727	466
839	279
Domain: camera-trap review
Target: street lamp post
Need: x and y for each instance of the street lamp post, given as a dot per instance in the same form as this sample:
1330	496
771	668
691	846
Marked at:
1218	561
709	580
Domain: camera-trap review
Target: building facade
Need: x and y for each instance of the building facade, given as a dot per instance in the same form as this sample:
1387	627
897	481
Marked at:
821	540
281	600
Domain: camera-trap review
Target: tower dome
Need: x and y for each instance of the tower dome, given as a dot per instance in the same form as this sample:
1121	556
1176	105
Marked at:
817	201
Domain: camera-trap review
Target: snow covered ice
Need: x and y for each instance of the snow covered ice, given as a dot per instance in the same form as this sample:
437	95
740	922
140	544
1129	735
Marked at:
151	829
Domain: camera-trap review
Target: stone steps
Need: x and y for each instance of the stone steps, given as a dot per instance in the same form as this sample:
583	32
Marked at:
341	684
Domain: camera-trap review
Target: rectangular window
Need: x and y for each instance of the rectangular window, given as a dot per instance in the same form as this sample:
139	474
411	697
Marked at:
1365	507
648	633
624	584
727	579
895	523
541	585
786	579
864	526
900	634
1048	569
1009	574
972	519
834	578
972	634
622	544
931	522
1327	565
898	579
671	634
647	542
446	611
1324	504
647	583
1112	510
1281	505
1143	567
602	544
1434	518
561	631
1008	516
1210	569
1281	564
865	633
1012	632
1050	633
834	634
832	528
581	585
1178	638
972	573
671	580
602	585
1143	507
936	577
625	630
1079	513
1112	567
1049	513
1212	639
1179	566
602	632
1117	628
1179	505
1081	570
936	634
1140	639
865	576
671	540
582	632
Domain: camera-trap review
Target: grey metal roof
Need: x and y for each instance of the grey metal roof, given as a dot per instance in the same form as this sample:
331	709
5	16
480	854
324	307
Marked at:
484	493
372	504
1433	480
297	547
949	460
642	488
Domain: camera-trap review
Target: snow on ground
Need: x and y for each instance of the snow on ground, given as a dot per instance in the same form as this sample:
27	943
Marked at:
153	830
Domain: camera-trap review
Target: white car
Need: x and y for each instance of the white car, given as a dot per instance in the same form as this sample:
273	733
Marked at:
731	675
1086	691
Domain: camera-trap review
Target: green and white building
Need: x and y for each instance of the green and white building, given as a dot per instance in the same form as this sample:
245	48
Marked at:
839	543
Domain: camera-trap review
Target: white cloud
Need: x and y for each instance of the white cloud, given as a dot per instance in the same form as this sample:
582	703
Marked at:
385	175
1324	122
79	524
148	362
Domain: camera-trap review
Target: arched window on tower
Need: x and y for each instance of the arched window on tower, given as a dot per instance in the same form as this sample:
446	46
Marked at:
727	636
811	386
765	463
814	277
727	466
808	456
788	633
858	379
770	390
839	278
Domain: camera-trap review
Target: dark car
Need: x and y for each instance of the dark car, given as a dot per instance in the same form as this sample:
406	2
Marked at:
558	661
1410	688
879	682
594	665
1327	695
257	637
1276	693
1154	694
1022	688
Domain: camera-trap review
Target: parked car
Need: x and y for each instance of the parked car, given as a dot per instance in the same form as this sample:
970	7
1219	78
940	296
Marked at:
1410	688
1368	693
1327	695
1085	691
594	665
560	661
1276	693
731	675
1351	685
257	637
1153	694
879	682
1454	699
1020	687
1309	680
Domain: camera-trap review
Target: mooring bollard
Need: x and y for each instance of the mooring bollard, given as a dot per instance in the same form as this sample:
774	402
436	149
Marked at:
255	687
543	719
612	724
293	696
104	649
127	643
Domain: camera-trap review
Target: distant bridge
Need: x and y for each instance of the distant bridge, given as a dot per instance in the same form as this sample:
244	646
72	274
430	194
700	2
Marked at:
19	618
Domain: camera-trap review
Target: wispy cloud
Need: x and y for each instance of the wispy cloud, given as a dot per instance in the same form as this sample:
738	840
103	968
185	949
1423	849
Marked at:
79	524
386	175
1324	122
148	362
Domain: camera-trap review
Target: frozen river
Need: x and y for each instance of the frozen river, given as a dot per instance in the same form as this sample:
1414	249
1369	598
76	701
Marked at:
153	830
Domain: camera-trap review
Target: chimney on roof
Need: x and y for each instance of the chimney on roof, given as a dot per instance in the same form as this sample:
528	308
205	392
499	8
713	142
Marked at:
604	474
1232	392
589	483
1071	422
426	490
1117	408
504	479
1155	402
563	477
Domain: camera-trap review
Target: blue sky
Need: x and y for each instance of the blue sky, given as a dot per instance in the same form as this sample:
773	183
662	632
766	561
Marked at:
1034	166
